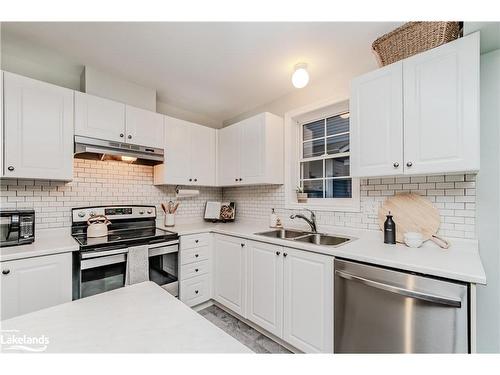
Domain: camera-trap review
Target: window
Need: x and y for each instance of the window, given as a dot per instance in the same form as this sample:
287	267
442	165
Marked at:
324	160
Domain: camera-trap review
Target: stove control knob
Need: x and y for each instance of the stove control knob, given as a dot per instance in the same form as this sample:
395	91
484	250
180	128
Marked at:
150	212
92	213
81	214
141	212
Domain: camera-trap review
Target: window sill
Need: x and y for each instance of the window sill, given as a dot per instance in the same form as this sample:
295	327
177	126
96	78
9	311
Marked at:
349	207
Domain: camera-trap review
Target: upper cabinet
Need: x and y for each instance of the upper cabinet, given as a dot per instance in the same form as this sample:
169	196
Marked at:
100	118
251	151
420	115
143	127
38	129
190	154
106	119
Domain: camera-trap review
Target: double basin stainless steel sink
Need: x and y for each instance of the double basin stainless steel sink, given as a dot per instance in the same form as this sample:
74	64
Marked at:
308	237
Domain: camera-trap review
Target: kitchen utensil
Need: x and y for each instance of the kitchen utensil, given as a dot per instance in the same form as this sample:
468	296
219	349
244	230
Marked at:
176	206
170	207
164	208
97	226
412	213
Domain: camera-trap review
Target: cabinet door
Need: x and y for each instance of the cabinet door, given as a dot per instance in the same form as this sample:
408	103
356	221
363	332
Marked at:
252	149
441	102
265	286
229	273
177	166
377	123
38	126
308	301
35	283
143	127
99	118
229	155
202	155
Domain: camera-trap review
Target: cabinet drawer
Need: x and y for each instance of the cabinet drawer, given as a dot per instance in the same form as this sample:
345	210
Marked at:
194	255
194	269
195	290
195	240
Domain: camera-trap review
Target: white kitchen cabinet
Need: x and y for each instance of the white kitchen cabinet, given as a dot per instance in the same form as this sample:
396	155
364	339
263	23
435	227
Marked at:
99	118
38	129
143	127
441	108
35	283
419	115
308	300
190	154
377	122
251	151
230	273
265	286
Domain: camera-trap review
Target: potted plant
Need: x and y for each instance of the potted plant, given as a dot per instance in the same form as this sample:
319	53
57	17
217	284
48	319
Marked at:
301	196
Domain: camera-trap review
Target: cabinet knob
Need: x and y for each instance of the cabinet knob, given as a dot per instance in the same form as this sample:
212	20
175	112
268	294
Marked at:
396	165
121	135
285	254
409	164
129	136
190	179
278	253
235	179
196	270
195	179
196	291
241	179
242	245
5	272
196	241
196	255
10	168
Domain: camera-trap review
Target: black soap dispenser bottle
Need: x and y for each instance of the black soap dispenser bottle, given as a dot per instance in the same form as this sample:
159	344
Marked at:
389	230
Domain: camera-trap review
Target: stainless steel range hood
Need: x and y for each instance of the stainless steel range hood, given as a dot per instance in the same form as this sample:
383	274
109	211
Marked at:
98	149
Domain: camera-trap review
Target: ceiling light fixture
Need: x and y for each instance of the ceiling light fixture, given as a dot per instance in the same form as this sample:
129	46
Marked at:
300	77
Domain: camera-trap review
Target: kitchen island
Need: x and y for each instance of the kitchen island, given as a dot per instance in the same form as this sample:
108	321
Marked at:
142	318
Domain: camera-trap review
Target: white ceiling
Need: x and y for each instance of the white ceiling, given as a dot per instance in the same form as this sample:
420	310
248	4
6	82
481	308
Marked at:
218	70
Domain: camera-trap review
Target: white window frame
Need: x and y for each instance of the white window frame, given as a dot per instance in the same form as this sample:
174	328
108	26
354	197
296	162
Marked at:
293	155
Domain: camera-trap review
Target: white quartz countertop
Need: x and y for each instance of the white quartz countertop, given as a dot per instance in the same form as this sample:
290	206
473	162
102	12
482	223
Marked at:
47	242
142	318
460	262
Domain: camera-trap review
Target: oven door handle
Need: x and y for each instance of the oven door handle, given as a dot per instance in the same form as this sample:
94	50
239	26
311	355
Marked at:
102	261
99	254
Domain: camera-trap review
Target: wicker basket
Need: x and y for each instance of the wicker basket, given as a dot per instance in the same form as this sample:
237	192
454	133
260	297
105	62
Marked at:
413	38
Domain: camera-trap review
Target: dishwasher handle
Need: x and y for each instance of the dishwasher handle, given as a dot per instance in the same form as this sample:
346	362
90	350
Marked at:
402	291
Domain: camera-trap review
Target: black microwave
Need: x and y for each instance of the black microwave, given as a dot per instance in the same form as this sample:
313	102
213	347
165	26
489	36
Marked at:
17	227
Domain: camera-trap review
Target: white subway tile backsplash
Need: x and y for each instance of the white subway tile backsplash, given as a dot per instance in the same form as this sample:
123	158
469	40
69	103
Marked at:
97	183
448	193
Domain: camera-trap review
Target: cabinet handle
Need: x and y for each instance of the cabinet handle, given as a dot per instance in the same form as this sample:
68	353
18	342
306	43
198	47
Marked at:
285	254
278	253
196	270
396	165
196	255
129	136
121	135
196	291
5	272
10	168
409	164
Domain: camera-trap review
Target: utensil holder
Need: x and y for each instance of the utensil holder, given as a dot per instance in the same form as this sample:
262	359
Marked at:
169	220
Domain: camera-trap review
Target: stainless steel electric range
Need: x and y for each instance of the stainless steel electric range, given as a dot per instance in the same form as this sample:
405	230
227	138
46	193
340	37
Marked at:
101	263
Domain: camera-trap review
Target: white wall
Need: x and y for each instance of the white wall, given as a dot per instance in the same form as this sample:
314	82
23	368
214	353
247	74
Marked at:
488	205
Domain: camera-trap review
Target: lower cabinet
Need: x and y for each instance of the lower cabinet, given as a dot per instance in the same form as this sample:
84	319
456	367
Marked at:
230	273
287	292
265	286
35	283
308	301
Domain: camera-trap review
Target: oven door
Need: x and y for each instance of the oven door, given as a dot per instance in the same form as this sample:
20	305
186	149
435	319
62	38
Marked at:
163	266
101	271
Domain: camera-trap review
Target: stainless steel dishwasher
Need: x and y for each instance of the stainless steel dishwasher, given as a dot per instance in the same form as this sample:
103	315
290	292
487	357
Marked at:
380	310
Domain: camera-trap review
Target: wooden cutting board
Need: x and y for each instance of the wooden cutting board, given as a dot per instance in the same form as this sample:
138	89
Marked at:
412	213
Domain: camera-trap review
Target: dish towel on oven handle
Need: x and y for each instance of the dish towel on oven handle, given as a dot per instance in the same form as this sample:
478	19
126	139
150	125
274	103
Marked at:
137	265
